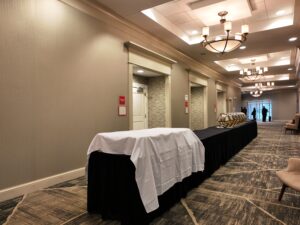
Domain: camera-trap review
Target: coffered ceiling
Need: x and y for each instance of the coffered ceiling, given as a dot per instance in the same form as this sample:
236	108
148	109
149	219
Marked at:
180	22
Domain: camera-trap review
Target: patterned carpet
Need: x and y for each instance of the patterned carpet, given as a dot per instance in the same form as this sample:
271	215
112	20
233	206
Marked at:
244	191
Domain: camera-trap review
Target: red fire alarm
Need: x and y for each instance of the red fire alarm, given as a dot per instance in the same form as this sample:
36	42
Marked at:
122	100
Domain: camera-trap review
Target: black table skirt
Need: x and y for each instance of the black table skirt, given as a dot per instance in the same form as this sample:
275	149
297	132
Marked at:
112	189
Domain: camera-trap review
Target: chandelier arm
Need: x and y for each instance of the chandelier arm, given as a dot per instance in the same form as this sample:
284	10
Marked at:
226	42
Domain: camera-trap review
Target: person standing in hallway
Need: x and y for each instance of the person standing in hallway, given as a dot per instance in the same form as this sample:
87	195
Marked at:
264	112
254	113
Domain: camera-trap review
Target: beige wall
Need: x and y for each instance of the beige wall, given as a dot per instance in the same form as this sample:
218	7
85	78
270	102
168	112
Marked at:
56	72
234	95
179	88
284	103
62	72
197	108
211	102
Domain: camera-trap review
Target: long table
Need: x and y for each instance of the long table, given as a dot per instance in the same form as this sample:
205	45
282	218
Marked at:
113	191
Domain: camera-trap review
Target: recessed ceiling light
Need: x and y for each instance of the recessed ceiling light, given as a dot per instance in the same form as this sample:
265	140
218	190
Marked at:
194	32
293	39
243	47
280	12
290	68
140	71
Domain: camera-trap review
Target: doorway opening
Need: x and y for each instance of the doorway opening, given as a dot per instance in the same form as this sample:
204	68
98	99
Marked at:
221	102
258	105
149	98
197	106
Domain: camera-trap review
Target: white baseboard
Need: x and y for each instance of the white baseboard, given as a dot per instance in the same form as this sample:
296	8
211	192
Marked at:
35	185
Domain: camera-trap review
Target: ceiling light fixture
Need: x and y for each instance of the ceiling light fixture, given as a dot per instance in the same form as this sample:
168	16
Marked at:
256	93
292	39
254	72
227	42
140	71
290	69
258	88
243	47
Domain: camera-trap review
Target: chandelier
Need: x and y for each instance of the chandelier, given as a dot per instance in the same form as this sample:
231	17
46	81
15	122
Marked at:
227	42
256	93
254	72
258	88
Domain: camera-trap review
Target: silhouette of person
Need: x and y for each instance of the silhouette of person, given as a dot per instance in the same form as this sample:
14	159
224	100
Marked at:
264	112
254	113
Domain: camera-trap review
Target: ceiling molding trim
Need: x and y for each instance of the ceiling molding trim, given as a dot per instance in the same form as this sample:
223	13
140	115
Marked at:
130	44
196	73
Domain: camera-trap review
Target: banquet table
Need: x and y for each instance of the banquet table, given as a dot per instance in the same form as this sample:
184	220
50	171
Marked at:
114	193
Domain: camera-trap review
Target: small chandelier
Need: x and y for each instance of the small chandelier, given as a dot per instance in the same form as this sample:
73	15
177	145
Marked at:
227	42
254	72
256	93
258	88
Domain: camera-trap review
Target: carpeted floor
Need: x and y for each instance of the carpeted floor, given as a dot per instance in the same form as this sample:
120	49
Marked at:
244	191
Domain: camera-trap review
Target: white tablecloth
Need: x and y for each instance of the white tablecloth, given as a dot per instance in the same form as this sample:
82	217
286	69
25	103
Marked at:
162	157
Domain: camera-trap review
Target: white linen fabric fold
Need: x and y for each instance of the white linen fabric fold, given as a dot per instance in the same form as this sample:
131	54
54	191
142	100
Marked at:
162	157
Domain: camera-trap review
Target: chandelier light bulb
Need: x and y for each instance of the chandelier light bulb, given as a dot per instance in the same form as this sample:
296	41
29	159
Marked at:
205	31
227	26
265	69
245	29
272	84
268	84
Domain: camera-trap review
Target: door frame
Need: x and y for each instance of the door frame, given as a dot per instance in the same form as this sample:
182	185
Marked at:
149	59
202	81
